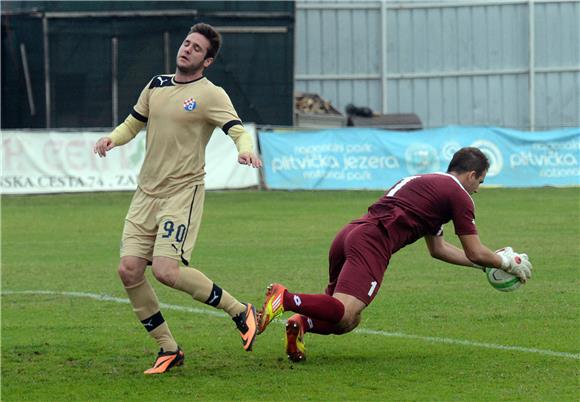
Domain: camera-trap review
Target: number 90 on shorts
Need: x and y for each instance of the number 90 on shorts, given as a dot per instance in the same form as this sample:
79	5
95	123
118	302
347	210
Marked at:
163	227
172	233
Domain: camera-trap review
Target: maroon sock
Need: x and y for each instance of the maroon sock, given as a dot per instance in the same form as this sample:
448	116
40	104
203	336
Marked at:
319	307
319	326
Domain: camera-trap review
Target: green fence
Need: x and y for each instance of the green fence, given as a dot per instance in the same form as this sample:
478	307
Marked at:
83	64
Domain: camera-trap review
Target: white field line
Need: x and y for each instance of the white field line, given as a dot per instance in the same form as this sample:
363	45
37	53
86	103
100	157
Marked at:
194	310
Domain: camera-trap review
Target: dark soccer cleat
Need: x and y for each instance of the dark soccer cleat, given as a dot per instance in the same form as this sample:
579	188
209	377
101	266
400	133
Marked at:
273	306
166	360
248	326
294	341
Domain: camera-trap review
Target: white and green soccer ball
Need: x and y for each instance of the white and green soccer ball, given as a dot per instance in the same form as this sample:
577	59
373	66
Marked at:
501	280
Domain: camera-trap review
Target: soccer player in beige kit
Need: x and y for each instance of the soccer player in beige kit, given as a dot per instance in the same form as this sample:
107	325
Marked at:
161	226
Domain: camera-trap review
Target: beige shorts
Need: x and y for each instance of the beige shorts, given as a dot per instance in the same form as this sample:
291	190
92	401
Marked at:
165	227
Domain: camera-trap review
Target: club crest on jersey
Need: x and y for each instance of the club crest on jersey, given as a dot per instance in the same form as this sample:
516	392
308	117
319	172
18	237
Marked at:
189	104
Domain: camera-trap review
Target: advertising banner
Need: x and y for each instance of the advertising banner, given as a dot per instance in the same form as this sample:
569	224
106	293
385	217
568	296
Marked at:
358	158
55	162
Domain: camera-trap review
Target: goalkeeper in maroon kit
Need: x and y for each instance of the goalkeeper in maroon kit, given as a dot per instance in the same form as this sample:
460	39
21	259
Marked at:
415	207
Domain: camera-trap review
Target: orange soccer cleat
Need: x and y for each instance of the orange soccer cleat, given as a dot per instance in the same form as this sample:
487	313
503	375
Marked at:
248	326
166	360
273	306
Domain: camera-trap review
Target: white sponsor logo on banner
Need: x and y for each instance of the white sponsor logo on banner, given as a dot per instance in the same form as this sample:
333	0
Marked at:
421	158
552	158
493	154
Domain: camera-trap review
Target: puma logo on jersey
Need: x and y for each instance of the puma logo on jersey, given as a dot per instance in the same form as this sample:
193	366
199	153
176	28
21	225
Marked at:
189	104
161	82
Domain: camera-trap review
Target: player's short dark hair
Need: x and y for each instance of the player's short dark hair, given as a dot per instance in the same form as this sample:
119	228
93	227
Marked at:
213	36
469	159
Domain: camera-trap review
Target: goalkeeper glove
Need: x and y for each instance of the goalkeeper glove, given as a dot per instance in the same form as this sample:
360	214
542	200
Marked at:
515	264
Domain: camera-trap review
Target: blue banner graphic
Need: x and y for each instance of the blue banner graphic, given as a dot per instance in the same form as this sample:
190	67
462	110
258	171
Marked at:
355	158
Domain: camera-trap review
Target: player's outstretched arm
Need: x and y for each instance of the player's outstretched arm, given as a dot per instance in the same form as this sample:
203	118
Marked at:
477	253
505	259
444	251
121	135
243	141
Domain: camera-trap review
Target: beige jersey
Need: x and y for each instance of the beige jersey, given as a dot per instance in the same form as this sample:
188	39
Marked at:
181	118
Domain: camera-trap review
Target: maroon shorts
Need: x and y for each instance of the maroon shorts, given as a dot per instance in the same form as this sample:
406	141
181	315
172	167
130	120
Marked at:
358	258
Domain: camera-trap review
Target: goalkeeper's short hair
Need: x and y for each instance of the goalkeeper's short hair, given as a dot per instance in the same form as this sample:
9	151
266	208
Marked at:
469	159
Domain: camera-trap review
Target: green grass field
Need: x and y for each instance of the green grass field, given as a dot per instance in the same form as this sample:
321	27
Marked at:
435	332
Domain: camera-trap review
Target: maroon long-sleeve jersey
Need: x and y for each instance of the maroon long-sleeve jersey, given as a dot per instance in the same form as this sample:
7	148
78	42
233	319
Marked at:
420	205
